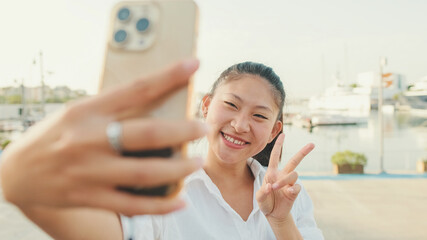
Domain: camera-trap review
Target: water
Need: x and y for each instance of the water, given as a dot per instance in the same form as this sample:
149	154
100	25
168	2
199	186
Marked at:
405	141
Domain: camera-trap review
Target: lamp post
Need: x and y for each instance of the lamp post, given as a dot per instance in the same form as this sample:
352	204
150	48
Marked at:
42	83
383	63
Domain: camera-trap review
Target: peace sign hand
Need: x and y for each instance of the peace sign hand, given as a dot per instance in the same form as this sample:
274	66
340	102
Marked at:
279	191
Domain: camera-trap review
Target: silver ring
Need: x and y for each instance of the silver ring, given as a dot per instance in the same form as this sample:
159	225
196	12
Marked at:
114	135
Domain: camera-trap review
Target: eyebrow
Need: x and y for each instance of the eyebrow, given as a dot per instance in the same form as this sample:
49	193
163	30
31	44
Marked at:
257	106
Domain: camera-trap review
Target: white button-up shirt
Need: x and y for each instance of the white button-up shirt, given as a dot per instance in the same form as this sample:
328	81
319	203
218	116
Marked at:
208	215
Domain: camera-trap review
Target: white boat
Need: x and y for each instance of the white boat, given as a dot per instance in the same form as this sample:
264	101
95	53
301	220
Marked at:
341	99
338	105
327	120
314	120
416	96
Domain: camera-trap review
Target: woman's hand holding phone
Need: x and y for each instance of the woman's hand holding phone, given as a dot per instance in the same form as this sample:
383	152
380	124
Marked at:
67	161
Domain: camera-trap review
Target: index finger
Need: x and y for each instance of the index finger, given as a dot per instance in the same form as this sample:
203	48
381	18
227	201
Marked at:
297	158
145	90
157	133
275	153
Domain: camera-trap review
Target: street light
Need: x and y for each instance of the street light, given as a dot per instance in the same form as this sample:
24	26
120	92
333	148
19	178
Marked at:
42	76
42	82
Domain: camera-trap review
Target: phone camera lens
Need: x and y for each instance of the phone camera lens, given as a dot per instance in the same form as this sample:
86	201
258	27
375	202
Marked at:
120	36
142	24
123	14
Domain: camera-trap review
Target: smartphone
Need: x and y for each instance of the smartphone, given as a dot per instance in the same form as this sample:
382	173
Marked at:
145	37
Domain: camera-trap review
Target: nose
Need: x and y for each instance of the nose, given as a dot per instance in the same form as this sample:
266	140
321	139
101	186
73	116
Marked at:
240	123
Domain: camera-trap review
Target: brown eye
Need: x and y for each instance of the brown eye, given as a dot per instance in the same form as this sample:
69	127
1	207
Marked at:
260	116
231	104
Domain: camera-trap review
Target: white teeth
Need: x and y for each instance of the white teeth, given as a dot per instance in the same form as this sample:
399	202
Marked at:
230	139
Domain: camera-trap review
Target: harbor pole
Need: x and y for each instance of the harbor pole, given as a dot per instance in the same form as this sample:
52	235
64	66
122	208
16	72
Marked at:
383	63
42	83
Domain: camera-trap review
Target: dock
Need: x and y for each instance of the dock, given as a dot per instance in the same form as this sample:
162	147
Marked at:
370	208
349	208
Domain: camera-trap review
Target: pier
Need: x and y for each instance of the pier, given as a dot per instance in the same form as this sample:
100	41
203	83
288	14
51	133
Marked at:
345	207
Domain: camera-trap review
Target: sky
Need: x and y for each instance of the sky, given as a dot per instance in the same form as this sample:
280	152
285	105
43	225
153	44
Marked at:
306	42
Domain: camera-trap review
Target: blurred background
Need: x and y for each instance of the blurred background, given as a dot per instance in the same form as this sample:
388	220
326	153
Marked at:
354	71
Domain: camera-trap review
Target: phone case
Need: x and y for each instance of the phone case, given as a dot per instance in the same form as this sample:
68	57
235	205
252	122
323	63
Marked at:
145	37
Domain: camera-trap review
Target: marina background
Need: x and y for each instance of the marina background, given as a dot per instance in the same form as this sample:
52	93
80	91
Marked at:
329	55
405	140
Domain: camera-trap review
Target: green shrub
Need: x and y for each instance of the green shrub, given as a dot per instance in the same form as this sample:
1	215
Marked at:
4	144
349	157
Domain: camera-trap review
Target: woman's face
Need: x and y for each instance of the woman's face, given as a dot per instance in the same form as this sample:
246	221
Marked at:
243	117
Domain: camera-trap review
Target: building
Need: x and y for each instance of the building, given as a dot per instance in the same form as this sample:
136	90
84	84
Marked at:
368	83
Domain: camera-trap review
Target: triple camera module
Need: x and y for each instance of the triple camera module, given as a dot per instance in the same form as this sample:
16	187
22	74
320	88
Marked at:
133	26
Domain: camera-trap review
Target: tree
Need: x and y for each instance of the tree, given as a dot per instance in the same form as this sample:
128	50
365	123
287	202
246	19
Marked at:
14	99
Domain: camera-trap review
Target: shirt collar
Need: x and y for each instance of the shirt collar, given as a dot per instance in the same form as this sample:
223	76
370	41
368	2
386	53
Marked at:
257	170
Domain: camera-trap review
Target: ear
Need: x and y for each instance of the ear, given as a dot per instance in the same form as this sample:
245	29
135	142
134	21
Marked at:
277	128
205	105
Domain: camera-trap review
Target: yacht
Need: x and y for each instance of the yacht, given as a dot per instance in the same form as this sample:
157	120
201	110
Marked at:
338	105
340	98
416	96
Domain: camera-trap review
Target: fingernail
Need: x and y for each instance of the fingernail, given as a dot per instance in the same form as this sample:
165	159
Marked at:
275	186
190	64
206	128
180	205
291	190
203	126
199	161
310	146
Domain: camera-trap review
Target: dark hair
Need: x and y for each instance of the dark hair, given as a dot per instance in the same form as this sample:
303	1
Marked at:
235	72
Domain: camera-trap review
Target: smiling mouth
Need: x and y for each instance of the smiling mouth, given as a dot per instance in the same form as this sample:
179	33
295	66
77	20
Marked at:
233	140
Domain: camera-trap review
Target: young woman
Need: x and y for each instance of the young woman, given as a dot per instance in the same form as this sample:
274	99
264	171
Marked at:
233	196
